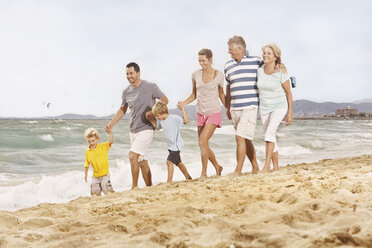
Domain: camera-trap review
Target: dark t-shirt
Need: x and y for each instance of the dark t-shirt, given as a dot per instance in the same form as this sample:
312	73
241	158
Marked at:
140	100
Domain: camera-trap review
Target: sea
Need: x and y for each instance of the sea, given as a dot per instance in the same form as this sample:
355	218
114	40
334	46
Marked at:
42	161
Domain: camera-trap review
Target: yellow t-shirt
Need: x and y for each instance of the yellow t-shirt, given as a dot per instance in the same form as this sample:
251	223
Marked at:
98	158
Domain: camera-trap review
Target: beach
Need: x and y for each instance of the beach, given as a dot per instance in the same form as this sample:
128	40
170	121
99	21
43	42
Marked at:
322	204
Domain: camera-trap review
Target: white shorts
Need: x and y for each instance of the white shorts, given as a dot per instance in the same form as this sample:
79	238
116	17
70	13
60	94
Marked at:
244	122
140	142
271	123
101	184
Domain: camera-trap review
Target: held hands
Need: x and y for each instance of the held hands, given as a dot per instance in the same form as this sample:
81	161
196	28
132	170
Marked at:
150	116
180	105
288	119
228	114
108	128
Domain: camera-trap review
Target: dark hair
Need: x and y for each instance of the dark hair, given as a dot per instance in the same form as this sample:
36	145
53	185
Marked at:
134	65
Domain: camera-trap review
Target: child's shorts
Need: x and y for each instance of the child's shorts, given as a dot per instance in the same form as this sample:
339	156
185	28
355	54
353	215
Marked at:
101	184
174	157
215	119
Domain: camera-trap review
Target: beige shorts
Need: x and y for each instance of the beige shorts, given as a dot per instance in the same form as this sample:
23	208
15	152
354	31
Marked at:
140	142
244	122
101	184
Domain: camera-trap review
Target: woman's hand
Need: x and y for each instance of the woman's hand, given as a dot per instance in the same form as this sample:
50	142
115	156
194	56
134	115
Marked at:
288	119
180	105
228	114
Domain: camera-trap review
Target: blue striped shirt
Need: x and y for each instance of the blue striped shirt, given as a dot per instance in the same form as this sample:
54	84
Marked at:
242	79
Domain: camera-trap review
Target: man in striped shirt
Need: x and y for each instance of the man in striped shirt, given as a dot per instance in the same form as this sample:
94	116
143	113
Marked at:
242	100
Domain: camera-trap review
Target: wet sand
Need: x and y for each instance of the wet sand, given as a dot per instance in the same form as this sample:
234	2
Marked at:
322	204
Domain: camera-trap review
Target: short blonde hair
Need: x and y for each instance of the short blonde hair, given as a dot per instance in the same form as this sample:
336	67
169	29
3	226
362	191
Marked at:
207	52
276	51
91	132
238	41
160	108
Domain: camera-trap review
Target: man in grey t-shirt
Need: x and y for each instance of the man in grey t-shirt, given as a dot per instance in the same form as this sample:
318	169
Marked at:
139	96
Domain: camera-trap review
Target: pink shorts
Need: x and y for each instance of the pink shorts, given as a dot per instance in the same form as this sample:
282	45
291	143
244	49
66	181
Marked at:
215	119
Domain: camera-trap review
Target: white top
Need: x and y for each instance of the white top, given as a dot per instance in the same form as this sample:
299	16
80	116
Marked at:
271	93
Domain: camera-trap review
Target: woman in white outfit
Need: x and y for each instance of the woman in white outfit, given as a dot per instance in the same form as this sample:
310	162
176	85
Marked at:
275	101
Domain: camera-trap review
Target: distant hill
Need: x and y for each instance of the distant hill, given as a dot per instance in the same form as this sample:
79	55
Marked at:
305	108
363	101
301	108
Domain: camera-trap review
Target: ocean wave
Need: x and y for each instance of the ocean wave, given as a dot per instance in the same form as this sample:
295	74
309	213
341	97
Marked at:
280	135
67	128
346	121
364	135
229	129
192	128
317	144
47	137
30	122
51	189
294	150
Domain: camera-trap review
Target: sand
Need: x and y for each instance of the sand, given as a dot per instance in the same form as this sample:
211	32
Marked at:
322	204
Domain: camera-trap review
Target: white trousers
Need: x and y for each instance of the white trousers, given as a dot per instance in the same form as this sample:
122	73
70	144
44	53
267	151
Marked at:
271	123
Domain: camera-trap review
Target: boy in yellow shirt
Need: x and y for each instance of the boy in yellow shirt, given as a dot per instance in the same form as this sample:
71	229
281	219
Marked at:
97	156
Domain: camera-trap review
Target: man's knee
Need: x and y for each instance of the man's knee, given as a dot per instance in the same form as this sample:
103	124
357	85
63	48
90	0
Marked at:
133	157
240	141
143	165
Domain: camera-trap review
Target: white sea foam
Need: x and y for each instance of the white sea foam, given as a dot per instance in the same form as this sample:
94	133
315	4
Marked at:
67	128
293	150
364	135
229	129
346	121
189	127
47	137
30	122
52	189
318	144
280	135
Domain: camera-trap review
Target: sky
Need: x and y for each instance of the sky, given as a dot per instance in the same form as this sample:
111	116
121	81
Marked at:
72	53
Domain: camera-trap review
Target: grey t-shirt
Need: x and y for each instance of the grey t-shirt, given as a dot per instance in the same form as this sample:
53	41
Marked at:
140	100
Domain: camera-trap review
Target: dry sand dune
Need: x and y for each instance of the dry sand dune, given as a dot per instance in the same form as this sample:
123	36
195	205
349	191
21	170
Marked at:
323	204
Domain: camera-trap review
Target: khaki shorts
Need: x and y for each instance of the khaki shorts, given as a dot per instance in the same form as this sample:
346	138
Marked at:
101	184
140	142
244	122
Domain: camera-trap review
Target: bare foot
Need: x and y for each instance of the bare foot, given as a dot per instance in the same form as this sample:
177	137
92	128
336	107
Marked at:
134	187
236	174
255	170
220	168
265	170
203	176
